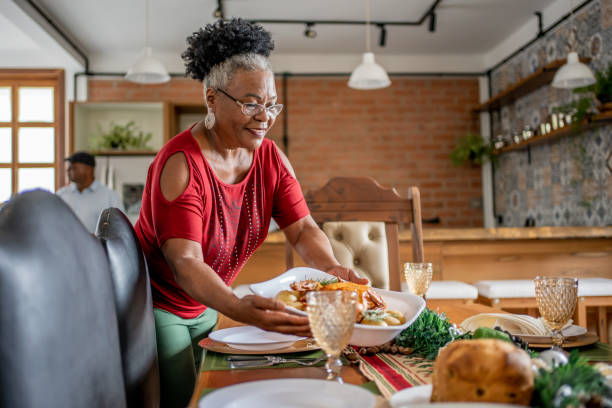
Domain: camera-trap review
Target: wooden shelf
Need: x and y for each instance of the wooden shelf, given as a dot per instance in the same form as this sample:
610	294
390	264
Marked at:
541	77
124	153
592	122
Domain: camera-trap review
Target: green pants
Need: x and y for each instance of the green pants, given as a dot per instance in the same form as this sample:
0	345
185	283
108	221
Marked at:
179	353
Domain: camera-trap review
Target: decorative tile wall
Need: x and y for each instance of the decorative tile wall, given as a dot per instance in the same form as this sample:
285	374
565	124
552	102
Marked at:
568	181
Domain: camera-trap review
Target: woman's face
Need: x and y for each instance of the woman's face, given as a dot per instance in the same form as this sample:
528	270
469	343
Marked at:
234	127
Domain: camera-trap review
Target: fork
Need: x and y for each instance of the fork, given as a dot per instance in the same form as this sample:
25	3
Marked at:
273	360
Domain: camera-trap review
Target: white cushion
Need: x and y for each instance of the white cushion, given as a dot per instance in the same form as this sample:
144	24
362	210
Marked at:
500	289
525	288
448	290
594	287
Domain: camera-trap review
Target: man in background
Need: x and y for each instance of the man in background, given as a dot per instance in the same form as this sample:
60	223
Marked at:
85	195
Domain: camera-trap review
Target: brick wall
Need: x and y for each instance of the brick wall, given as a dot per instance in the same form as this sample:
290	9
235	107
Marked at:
401	135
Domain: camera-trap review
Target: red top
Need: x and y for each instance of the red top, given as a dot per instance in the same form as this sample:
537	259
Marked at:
229	220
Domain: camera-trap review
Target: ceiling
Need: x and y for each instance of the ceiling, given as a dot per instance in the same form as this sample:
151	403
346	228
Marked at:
463	26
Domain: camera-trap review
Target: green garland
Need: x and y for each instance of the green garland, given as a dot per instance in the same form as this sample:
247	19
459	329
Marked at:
574	384
429	332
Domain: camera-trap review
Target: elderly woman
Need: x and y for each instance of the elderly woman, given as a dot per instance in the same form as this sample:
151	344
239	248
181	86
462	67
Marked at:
209	198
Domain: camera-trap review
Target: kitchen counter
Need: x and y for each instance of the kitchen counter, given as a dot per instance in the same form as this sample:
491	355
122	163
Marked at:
490	234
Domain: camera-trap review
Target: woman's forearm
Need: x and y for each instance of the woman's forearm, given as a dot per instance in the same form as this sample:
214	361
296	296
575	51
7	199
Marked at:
315	249
202	284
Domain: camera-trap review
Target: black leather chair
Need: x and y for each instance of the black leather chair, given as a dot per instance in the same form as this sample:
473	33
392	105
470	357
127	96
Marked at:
134	308
59	339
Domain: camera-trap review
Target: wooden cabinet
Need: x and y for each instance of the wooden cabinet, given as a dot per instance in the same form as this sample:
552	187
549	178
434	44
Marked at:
182	116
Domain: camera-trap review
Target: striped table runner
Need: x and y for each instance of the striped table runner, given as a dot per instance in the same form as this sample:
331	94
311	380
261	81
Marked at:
394	372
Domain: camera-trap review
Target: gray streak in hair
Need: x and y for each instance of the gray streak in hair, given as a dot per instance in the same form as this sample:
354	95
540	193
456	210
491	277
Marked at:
221	74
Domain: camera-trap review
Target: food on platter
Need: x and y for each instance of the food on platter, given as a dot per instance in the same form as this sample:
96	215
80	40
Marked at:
371	308
484	370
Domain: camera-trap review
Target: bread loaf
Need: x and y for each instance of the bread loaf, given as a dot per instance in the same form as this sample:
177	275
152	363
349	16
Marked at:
484	370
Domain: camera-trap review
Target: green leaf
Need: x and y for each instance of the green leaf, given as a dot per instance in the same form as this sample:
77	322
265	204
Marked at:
123	137
472	147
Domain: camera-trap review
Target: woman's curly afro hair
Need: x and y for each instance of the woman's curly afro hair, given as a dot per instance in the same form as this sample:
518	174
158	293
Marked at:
221	40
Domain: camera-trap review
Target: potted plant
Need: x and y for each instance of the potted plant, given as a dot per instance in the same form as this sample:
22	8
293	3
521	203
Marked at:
602	89
590	99
473	148
123	137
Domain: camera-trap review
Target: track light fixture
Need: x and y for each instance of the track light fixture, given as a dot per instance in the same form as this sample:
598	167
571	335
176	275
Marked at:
383	35
429	13
432	22
309	32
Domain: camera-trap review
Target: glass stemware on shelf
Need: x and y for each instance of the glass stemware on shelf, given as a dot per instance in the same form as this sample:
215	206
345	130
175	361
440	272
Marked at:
556	299
332	317
418	277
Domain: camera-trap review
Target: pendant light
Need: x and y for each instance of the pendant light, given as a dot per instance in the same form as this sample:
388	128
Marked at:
147	70
573	74
368	74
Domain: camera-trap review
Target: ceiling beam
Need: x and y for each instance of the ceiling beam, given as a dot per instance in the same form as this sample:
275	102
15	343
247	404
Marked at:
54	30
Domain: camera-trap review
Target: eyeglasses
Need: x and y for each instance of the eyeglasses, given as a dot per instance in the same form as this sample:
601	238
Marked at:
252	109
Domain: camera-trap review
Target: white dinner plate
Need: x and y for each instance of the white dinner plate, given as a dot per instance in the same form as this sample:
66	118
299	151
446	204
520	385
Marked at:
253	338
289	393
571	331
419	396
364	335
413	395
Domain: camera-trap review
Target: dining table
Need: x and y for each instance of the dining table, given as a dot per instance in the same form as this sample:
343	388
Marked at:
206	380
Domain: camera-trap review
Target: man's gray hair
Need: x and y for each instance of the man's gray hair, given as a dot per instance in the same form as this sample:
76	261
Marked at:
221	74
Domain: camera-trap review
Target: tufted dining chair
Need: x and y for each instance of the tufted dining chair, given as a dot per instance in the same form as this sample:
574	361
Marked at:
370	245
59	342
133	302
362	246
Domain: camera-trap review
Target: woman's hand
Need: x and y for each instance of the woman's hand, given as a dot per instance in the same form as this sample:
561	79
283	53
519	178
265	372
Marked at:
270	314
346	274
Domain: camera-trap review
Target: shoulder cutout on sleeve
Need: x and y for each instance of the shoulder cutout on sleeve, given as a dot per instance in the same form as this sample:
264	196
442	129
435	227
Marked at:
285	160
175	176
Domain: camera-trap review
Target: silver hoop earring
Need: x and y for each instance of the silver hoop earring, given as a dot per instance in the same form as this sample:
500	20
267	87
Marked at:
209	120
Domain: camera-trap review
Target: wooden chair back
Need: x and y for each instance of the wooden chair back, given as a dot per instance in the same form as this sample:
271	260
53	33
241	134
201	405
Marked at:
363	199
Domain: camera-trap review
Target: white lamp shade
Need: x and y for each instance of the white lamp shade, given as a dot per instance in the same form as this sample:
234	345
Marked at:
369	75
574	74
147	70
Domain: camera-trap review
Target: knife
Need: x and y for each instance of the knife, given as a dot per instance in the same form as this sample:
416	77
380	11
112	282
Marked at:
262	358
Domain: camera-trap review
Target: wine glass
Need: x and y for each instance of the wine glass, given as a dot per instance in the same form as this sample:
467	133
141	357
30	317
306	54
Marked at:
556	299
418	277
332	317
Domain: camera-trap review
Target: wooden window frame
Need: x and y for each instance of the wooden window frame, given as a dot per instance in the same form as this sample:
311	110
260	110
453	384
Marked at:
16	78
